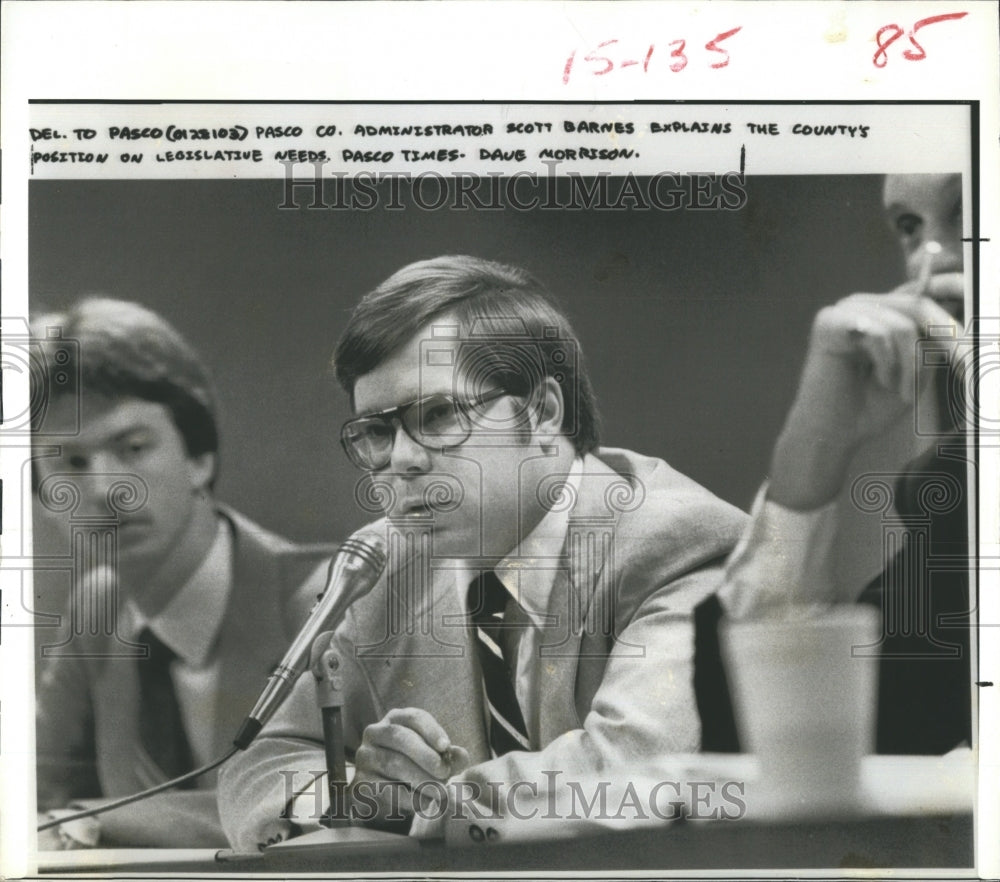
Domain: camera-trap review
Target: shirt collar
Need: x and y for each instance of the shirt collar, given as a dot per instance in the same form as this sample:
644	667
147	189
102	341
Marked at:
529	571
189	623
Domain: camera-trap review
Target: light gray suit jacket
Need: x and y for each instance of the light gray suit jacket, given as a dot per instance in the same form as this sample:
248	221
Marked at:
643	548
87	725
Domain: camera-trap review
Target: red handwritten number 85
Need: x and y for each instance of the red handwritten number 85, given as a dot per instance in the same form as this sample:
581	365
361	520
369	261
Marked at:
882	57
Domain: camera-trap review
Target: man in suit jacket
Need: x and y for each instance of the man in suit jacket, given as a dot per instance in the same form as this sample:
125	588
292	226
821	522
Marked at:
476	425
193	590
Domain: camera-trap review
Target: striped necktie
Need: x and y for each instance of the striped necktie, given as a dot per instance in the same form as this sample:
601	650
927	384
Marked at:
161	727
487	601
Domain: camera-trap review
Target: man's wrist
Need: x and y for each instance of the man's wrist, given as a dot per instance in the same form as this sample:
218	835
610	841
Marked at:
807	472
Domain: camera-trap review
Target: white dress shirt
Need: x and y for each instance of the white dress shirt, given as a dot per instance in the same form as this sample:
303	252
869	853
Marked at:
528	573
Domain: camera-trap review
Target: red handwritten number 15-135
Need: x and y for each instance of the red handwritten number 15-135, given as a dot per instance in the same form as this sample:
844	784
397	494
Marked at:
604	64
888	34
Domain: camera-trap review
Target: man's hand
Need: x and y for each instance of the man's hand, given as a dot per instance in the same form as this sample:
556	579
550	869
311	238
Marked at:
860	378
81	833
407	748
49	840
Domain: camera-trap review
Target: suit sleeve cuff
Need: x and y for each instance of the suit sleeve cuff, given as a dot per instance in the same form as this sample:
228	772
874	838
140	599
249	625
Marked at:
428	826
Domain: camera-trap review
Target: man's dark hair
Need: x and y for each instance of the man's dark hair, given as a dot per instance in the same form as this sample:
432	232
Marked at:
512	333
123	350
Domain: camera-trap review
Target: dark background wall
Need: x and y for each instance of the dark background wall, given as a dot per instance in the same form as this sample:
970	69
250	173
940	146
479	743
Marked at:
693	322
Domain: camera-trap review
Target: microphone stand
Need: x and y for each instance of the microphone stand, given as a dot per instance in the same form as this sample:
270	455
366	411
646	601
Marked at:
341	833
330	698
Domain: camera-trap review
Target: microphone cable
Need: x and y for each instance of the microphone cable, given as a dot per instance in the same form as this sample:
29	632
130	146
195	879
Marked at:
358	563
136	797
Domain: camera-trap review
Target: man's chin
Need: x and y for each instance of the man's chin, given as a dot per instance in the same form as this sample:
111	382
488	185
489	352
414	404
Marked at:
453	535
137	558
132	539
454	542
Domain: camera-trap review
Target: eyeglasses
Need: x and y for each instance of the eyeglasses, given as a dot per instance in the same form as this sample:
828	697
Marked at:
436	422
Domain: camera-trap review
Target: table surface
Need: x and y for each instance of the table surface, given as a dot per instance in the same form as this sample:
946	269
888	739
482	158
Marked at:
915	812
934	841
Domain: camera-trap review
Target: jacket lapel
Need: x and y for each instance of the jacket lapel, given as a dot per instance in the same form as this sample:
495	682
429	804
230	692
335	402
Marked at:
558	648
423	659
570	665
252	638
122	765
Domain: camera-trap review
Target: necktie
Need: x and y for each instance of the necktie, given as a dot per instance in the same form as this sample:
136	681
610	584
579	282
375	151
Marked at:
161	727
486	603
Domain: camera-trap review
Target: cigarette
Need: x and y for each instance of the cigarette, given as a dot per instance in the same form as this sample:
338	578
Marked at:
924	279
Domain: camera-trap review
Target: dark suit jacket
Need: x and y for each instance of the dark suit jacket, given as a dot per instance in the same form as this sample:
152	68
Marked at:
87	708
925	676
644	546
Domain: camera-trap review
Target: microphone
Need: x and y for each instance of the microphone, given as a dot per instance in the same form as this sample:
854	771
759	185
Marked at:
354	570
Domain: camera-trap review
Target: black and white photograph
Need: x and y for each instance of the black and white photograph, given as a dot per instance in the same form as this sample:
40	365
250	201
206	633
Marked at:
492	486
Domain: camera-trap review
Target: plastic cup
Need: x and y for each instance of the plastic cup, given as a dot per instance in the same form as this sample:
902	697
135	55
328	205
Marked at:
805	705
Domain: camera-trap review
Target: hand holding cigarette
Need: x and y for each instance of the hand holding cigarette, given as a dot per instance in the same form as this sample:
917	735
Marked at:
860	378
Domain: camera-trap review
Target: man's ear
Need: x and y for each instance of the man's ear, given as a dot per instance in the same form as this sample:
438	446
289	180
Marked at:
201	471
550	410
